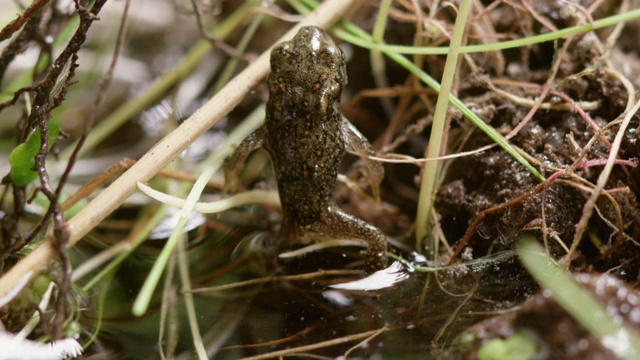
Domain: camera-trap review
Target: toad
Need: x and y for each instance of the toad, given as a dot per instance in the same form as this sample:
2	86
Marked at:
306	137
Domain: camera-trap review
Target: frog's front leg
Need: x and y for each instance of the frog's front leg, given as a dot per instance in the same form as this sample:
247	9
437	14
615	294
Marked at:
336	223
235	162
358	145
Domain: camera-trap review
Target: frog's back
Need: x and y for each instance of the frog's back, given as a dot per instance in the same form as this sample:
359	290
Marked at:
303	122
306	157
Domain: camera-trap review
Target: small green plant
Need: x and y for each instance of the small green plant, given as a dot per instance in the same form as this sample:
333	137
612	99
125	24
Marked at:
22	157
520	346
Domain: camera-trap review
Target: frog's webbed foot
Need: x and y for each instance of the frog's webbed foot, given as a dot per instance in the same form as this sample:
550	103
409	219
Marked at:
358	145
234	163
337	223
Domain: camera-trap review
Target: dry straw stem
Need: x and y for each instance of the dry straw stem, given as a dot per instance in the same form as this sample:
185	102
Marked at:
164	151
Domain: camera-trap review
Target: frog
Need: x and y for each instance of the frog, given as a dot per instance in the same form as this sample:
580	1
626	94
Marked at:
306	137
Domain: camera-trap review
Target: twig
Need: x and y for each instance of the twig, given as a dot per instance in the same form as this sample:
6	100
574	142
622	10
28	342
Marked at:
17	23
99	98
229	50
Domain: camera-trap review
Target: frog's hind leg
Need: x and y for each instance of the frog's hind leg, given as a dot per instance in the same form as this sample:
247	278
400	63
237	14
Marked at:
337	223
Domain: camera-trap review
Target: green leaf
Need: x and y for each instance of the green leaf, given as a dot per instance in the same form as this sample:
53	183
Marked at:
22	157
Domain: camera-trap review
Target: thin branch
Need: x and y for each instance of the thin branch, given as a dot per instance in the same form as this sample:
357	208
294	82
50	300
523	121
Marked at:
22	18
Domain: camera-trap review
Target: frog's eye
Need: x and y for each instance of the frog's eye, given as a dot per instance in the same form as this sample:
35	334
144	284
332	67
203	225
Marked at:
280	54
330	56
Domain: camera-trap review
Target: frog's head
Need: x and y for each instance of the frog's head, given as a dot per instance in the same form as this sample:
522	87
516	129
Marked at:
310	60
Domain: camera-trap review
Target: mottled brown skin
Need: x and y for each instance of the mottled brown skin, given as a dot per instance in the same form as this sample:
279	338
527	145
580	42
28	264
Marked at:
306	137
